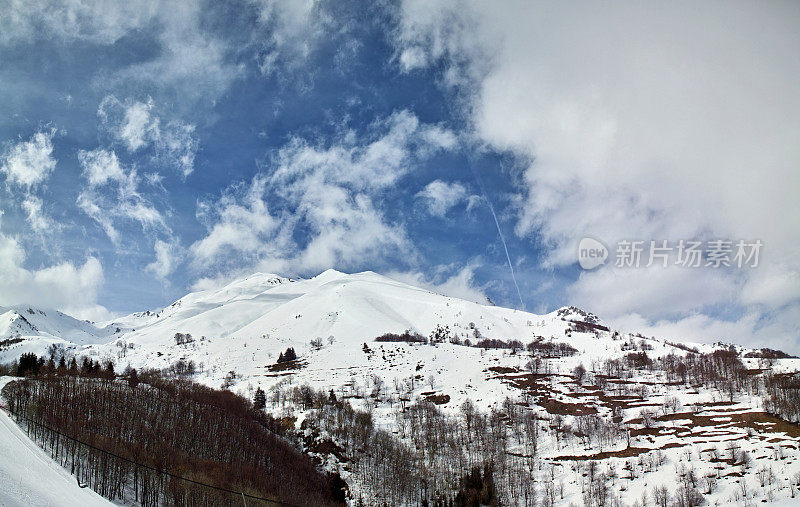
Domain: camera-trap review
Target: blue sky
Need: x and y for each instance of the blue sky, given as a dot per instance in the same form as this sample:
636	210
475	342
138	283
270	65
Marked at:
154	148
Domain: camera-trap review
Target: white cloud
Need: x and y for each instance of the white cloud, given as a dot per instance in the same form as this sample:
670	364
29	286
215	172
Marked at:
292	31
193	61
191	58
137	126
168	256
440	196
656	292
328	196
753	329
637	122
412	58
177	146
460	285
64	286
99	21
100	166
238	222
36	216
121	200
29	163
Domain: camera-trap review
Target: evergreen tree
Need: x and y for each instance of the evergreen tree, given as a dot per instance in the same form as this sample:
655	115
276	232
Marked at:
287	356
133	378
109	370
86	365
260	399
28	364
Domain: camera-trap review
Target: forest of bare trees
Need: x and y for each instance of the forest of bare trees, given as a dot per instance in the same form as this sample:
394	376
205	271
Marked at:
155	441
145	434
782	397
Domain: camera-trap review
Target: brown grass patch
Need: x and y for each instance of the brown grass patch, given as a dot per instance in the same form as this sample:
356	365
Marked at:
556	407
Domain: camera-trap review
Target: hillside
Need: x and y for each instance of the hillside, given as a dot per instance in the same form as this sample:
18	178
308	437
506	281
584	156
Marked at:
245	325
559	407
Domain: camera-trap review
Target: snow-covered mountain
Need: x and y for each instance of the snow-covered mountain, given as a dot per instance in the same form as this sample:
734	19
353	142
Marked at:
232	337
245	325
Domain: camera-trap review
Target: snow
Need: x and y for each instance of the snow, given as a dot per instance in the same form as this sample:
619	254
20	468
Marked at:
29	477
246	324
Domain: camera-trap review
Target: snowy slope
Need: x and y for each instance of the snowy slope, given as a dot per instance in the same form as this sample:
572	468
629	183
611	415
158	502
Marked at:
244	326
29	477
30	321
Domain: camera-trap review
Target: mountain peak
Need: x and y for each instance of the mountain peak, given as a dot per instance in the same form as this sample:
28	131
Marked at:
329	275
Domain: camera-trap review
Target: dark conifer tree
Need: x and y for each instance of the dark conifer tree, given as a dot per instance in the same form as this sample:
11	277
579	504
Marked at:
28	364
260	399
133	379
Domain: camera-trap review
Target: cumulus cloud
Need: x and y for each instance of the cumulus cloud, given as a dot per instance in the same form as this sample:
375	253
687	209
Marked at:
193	61
439	196
327	198
632	122
191	58
239	221
28	163
65	286
131	123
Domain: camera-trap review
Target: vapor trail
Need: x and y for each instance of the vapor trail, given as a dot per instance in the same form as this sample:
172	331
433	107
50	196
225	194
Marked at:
499	231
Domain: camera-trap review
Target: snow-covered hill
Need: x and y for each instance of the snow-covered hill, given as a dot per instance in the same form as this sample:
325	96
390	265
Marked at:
245	325
232	336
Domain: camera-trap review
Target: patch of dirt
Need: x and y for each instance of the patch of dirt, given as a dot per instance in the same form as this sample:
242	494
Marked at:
528	382
328	446
297	364
503	369
638	432
630	452
715	403
556	407
759	421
